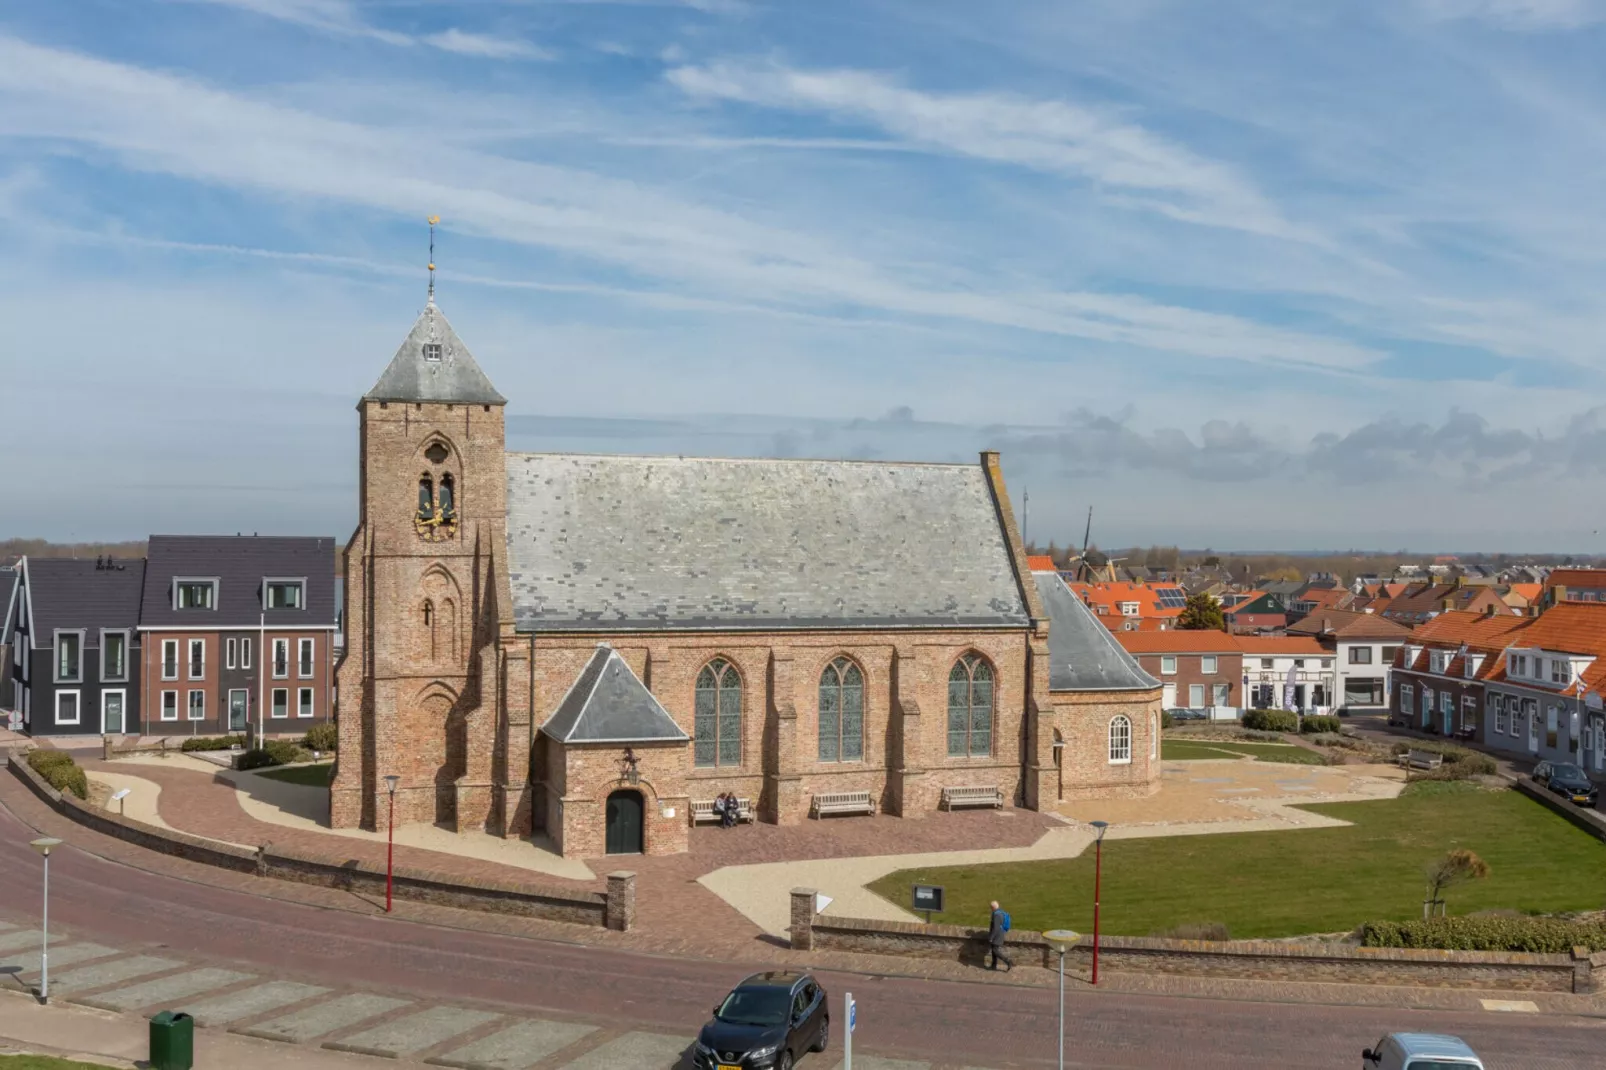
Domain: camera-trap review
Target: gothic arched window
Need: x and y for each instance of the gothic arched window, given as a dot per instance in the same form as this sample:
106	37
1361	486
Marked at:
719	715
1120	741
448	498
970	708
426	498
841	712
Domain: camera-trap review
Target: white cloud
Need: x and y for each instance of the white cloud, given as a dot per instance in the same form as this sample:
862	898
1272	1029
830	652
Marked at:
341	17
1520	14
1125	161
484	45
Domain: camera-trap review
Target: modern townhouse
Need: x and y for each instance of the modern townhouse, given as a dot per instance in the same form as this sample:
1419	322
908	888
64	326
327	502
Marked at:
1287	672
237	632
1363	647
74	661
8	707
1572	585
1443	669
1544	699
1197	670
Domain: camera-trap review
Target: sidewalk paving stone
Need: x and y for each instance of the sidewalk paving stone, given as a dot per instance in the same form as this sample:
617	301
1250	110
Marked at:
110	973
20	940
165	990
251	1002
639	1051
416	1032
516	1047
870	1062
59	956
340	1013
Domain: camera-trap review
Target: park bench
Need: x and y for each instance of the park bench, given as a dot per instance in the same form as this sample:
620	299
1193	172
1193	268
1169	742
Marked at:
1423	759
842	802
1466	731
973	795
703	810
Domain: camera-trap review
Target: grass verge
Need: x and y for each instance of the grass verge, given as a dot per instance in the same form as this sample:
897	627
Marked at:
1185	750
44	1062
315	775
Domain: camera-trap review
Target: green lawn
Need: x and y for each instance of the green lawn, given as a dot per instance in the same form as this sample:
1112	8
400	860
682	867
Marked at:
1184	750
315	775
44	1062
1295	882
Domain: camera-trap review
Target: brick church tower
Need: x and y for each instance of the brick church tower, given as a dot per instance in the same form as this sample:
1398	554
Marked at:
426	594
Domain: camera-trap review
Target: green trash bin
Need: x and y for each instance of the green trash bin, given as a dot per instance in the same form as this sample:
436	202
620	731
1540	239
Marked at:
172	1041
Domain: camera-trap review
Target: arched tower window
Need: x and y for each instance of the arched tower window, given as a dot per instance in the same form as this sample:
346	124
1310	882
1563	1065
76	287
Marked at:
841	712
426	498
448	498
970	708
1120	741
429	626
719	715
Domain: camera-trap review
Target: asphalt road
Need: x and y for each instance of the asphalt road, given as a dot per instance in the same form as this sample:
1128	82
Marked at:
943	1022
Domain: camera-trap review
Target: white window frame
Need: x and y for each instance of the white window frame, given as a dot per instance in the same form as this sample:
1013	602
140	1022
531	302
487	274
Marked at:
189	659
55	657
1356	659
190	704
304	703
1446	703
299	582
1168	664
281	646
245	652
1561	671
1499	704
1209	665
114	678
184	581
1131	609
1198	689
169	710
1120	740
279	700
306	658
169	646
231	649
1407	699
77	706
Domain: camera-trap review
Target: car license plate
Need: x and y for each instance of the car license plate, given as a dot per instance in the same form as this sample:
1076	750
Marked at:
1580	798
728	1066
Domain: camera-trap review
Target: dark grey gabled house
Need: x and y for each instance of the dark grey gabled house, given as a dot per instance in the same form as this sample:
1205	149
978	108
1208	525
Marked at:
73	626
8	707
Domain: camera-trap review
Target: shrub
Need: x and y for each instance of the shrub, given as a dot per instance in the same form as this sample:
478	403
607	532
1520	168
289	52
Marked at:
284	752
257	758
1204	930
326	737
60	771
212	743
1271	720
1486	932
1262	737
1320	724
1459	763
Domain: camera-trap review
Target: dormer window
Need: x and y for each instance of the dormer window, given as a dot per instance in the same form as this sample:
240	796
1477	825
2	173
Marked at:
194	594
284	594
432	352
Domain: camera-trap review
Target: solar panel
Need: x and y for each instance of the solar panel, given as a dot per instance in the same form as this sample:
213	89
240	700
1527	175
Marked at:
1171	597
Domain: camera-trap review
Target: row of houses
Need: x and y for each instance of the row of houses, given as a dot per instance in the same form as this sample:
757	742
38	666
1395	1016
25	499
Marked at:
202	636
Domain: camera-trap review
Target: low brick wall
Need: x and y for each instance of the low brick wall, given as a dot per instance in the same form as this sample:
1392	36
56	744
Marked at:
615	909
1591	821
1246	960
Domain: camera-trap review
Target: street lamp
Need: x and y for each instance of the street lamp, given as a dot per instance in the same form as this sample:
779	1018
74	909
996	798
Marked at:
44	845
1062	940
390	838
1100	827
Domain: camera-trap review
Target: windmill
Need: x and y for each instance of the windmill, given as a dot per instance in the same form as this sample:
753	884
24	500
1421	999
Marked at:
1093	565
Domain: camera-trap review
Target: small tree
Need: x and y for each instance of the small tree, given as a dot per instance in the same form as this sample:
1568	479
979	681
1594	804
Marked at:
1202	613
1457	867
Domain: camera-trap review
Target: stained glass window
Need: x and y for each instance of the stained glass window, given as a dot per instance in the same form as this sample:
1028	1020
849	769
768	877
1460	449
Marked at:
841	712
718	739
970	708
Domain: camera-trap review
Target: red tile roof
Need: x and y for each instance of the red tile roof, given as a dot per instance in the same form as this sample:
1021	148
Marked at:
1576	577
1477	630
1282	644
1041	563
1111	595
1530	591
1178	641
1346	624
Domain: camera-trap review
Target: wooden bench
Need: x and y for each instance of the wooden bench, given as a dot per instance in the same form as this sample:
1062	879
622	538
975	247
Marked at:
842	802
976	795
703	810
1423	759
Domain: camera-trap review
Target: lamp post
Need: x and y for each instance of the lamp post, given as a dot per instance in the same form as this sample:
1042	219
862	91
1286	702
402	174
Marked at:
1062	940
1100	827
44	845
390	838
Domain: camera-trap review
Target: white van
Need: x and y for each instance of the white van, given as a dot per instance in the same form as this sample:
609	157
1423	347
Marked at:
1420	1051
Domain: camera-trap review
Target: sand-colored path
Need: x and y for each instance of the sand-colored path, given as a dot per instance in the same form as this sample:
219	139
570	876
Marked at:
1198	798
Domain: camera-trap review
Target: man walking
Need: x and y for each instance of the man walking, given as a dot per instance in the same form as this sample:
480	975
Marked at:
995	937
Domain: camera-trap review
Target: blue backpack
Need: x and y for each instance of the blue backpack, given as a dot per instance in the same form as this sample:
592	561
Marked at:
1003	916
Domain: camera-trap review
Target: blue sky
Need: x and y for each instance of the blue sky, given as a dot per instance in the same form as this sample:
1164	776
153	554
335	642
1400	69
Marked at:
1236	274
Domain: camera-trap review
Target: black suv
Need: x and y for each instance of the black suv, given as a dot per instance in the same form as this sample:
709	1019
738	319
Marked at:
769	1020
1568	781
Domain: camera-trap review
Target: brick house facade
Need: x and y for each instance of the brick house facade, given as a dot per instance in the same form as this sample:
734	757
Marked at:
1440	673
779	629
1196	669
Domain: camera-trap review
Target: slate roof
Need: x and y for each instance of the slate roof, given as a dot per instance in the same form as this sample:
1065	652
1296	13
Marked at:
240	563
455	377
621	543
68	592
608	703
1083	655
9	578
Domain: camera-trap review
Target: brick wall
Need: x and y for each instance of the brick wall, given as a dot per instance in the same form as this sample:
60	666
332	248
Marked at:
1082	721
1190	671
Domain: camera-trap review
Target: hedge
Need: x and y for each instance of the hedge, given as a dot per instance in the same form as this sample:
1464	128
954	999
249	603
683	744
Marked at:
213	743
1271	720
1459	762
1320	724
274	752
322	737
60	771
1482	932
1165	722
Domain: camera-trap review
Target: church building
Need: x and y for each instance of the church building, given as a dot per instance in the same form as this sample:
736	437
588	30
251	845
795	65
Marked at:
582	647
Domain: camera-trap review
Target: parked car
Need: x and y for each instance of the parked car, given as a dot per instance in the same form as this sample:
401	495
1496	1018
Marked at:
1568	781
769	1020
1420	1051
1183	713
